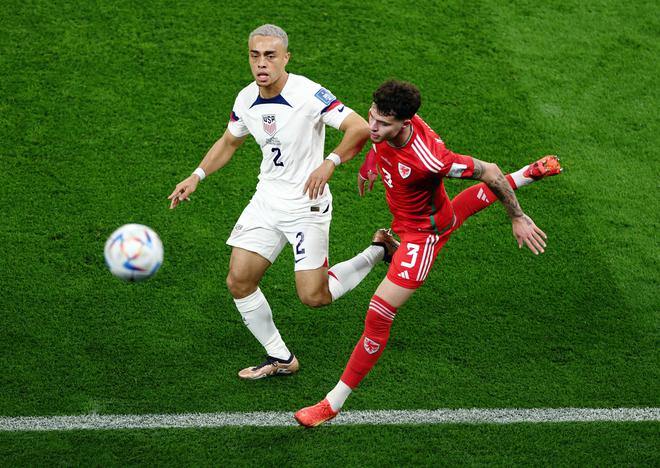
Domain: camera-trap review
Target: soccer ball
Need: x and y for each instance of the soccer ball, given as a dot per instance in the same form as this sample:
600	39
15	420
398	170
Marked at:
133	252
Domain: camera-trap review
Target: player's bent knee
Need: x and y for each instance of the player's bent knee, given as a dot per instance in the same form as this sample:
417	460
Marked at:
238	288
312	288
315	299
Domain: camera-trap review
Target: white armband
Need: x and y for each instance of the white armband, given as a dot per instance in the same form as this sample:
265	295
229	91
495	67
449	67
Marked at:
334	157
200	173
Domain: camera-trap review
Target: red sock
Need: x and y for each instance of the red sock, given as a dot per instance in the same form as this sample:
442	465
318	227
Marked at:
372	343
474	199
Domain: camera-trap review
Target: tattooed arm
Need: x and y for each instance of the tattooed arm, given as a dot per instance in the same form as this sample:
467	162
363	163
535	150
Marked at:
524	229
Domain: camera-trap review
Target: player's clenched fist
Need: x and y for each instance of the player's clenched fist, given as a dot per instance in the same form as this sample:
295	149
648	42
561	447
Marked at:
183	190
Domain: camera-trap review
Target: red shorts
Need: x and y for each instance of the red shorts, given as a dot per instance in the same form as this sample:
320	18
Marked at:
414	258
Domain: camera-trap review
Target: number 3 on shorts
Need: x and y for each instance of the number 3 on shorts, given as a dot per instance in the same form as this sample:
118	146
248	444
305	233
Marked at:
413	251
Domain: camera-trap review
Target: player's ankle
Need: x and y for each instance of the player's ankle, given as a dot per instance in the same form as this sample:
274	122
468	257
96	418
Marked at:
338	395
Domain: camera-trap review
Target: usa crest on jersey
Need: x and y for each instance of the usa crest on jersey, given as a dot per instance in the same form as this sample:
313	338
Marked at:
270	126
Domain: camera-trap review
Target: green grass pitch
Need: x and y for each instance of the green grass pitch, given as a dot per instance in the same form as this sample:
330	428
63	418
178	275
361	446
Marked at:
105	106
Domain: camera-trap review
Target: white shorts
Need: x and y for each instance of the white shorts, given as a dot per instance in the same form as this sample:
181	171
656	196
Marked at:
265	230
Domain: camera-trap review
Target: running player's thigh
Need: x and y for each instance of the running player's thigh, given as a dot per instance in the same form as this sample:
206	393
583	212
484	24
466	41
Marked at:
393	294
246	266
313	283
255	231
309	242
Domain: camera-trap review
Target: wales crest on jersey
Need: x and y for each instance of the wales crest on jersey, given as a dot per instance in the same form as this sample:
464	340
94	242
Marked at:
270	126
404	170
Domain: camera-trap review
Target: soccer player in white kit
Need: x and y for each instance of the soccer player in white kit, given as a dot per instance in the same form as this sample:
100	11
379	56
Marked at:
286	114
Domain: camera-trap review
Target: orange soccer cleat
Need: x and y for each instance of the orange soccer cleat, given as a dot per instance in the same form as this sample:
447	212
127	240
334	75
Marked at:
312	416
544	167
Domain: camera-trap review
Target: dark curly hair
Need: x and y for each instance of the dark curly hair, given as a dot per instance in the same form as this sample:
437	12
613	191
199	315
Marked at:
397	98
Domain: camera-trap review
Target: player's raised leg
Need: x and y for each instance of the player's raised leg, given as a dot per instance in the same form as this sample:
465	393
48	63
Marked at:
345	276
322	286
479	196
245	272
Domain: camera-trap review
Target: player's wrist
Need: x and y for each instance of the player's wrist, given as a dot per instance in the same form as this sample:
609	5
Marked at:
334	158
199	172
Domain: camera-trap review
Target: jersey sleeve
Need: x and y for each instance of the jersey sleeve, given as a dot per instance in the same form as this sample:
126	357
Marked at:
331	109
462	167
236	125
454	165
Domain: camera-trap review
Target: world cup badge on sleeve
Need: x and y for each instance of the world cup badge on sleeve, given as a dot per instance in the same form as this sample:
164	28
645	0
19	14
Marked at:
270	126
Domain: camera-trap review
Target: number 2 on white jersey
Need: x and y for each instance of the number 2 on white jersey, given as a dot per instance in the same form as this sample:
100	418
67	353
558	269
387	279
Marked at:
278	154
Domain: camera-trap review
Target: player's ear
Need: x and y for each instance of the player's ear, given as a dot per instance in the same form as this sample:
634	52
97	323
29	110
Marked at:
406	122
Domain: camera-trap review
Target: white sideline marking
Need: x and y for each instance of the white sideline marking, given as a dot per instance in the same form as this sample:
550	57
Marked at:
380	417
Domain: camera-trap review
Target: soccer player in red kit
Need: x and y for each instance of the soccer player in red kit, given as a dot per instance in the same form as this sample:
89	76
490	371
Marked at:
413	163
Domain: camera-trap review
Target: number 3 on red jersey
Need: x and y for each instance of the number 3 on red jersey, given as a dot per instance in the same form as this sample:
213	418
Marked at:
387	177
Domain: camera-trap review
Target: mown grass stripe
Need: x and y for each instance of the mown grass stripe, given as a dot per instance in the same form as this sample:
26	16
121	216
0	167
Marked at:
281	419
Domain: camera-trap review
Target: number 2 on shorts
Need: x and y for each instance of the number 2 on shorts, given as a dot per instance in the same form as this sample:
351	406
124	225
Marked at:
299	249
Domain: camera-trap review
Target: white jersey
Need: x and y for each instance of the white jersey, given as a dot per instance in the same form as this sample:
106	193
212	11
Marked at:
290	129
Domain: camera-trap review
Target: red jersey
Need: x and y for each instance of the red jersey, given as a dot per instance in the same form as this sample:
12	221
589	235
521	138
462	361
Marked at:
413	178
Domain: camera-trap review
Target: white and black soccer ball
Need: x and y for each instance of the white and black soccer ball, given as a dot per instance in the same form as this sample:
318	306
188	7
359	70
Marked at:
133	252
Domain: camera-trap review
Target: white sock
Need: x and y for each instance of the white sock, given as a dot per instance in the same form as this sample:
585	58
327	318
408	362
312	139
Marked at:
520	179
345	276
338	395
259	319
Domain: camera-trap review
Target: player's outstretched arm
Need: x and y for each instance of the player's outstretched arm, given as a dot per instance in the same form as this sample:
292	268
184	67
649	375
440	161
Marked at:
524	229
216	157
356	133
